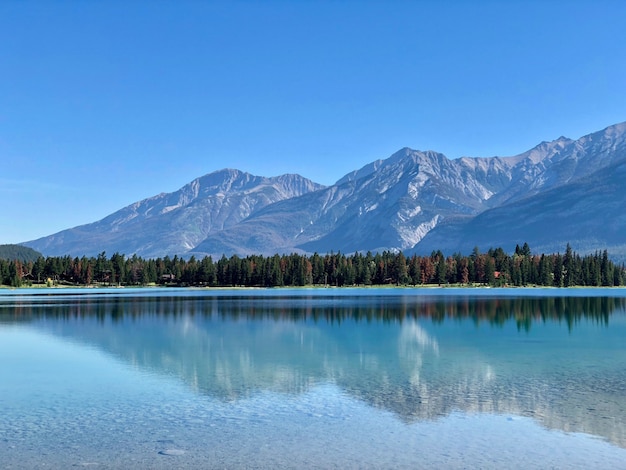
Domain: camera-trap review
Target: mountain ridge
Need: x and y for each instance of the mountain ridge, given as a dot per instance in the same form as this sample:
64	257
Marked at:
388	204
173	223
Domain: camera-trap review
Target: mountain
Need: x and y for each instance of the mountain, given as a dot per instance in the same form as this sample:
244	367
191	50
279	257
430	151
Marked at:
397	203
18	252
577	198
389	205
559	192
173	223
587	213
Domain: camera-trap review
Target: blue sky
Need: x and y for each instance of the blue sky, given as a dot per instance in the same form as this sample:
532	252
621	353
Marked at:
104	103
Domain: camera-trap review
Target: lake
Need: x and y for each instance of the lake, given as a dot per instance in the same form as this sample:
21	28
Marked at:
313	378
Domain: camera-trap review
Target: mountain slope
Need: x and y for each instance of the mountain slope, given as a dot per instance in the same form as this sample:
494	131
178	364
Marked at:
393	204
412	201
552	164
588	213
388	205
18	252
173	223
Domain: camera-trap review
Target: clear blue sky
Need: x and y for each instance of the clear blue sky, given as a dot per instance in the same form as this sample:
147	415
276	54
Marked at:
104	103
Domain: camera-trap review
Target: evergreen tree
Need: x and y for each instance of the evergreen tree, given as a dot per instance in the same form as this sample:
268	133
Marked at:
441	269
400	269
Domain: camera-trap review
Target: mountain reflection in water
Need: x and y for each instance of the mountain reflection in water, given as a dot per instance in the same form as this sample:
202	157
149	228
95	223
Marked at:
559	360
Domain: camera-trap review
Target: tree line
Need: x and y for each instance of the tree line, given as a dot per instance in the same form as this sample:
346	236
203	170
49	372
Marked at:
524	310
493	268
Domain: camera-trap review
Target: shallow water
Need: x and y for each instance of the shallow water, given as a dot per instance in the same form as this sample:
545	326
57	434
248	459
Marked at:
323	378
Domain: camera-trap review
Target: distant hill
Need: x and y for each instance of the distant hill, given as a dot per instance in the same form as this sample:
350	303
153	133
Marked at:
18	252
559	192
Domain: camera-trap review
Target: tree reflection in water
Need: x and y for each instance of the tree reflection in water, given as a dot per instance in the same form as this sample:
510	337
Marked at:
557	359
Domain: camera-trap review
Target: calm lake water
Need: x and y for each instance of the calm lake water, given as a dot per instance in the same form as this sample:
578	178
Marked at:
320	378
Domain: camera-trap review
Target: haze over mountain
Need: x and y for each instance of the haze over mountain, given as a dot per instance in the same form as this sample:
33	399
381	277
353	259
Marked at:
559	192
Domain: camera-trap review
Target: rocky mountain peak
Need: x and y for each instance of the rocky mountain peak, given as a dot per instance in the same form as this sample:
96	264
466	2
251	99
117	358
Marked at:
389	204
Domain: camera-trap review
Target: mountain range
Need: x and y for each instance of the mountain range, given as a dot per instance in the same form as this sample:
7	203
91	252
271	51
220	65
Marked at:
559	192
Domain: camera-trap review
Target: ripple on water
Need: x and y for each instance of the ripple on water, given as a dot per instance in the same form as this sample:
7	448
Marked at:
172	452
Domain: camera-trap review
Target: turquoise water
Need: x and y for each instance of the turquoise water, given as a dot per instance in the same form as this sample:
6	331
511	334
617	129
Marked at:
319	378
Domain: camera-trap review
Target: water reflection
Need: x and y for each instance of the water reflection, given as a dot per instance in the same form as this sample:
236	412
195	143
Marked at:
559	360
495	311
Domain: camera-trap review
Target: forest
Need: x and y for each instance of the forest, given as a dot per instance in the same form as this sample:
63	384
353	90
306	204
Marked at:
493	268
